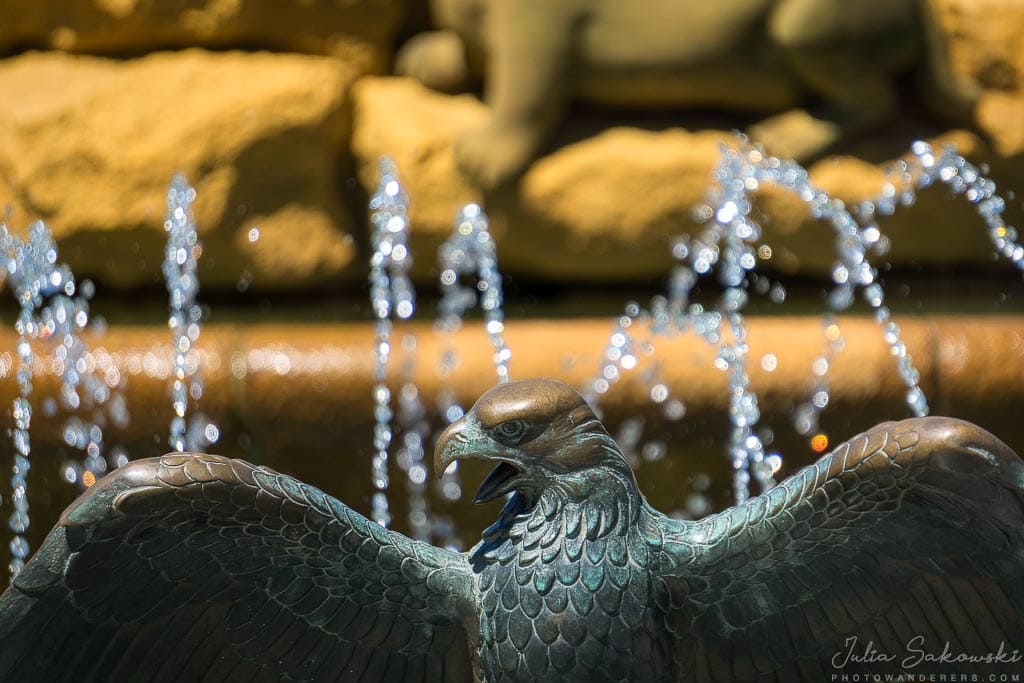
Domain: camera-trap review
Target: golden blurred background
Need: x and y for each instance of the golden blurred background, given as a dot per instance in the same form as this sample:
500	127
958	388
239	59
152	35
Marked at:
588	164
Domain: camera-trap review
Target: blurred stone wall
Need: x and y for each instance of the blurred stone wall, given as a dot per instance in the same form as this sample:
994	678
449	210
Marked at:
277	113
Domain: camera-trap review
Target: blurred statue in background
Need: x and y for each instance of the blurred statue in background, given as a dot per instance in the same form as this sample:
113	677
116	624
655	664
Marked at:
773	56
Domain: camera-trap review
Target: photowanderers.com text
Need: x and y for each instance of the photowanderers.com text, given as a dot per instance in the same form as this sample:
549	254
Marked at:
926	678
920	663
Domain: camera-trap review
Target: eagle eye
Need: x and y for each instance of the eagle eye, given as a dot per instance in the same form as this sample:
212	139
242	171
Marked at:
509	432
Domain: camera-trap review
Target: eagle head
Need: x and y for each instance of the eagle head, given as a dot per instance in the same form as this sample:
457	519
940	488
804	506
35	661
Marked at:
542	435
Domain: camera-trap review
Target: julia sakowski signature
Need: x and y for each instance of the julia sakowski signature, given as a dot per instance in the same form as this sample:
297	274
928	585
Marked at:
916	654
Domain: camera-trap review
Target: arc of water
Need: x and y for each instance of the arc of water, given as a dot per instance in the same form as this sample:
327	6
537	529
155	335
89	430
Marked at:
469	251
391	296
53	309
727	245
741	173
618	356
922	169
925	168
743	170
27	278
181	261
412	417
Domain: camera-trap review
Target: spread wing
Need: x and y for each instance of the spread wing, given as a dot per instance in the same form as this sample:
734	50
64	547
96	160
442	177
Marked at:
903	539
197	567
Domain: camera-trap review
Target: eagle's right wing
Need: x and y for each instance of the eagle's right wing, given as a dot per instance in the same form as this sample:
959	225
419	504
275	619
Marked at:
197	567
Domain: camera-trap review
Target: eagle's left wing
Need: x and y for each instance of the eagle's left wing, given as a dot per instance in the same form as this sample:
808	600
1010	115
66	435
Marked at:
904	542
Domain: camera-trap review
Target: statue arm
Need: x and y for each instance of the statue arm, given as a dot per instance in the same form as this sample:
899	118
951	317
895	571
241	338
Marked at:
531	50
531	47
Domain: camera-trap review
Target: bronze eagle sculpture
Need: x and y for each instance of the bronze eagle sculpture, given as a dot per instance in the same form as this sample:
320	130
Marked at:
908	538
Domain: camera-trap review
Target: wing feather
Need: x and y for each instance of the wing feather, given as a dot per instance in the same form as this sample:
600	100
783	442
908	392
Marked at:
913	530
200	567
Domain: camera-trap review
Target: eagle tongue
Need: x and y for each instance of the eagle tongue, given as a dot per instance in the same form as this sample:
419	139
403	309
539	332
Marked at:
491	487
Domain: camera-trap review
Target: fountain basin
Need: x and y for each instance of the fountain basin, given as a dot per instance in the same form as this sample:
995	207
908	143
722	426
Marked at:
297	397
313	374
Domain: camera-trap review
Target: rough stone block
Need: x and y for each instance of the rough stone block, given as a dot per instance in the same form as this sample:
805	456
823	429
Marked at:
983	40
360	31
90	146
607	207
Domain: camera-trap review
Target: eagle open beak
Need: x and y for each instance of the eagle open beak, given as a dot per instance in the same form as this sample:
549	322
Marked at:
462	440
